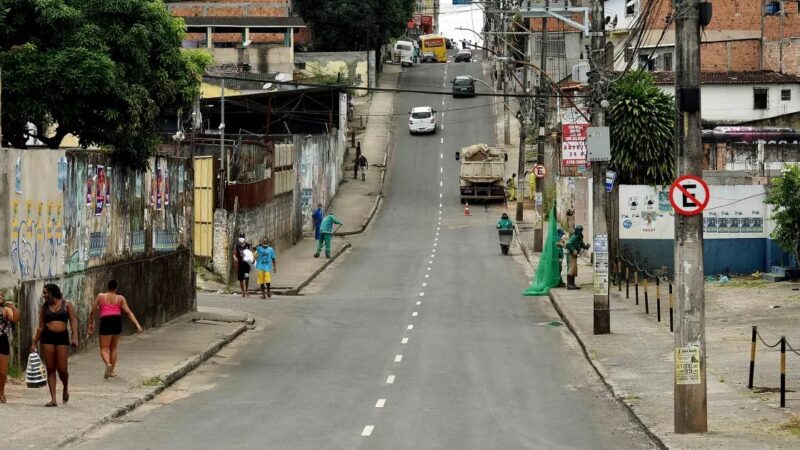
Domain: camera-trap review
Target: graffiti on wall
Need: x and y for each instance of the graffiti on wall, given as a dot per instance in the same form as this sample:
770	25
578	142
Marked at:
36	239
91	214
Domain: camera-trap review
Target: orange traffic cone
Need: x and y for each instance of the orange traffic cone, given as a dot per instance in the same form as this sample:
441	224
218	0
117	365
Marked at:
466	208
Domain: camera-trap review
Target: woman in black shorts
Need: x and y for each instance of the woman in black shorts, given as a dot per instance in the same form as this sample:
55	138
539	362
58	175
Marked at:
53	318
111	306
8	315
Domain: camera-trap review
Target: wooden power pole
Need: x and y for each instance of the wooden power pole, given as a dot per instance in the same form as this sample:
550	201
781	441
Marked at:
602	315
691	412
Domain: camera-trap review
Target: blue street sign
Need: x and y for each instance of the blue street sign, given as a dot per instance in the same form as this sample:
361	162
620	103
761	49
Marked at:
462	2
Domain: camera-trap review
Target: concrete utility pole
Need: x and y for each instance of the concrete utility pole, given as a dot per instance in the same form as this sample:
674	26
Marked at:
523	118
598	60
541	112
691	411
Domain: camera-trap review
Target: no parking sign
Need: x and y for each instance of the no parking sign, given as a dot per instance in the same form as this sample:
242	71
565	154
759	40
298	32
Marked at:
689	195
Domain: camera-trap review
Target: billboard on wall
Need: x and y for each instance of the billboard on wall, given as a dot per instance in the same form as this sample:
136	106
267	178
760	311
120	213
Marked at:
573	143
426	20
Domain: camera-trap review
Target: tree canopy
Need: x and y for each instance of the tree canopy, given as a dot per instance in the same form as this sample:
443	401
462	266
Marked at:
786	210
339	25
641	119
103	70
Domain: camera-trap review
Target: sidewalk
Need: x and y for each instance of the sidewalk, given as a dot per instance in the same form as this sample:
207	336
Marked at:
148	363
355	203
636	360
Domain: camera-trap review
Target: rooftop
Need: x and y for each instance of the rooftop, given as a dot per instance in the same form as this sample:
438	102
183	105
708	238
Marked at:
752	77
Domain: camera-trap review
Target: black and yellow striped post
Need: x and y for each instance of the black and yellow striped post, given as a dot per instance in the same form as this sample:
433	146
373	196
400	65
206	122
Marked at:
627	282
658	298
636	285
646	299
671	306
752	357
783	371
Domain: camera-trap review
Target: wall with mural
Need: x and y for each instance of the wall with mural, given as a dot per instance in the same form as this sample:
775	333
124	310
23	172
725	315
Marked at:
75	219
320	172
736	228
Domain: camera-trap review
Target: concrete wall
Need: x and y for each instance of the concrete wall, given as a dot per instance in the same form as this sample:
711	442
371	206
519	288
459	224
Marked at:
275	220
727	103
262	59
75	219
352	66
736	234
320	171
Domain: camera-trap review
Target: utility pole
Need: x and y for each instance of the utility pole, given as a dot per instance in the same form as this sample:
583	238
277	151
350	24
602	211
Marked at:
541	112
506	77
598	60
523	119
222	163
691	409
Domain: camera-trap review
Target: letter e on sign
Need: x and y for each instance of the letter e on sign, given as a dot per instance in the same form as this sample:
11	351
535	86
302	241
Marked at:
689	195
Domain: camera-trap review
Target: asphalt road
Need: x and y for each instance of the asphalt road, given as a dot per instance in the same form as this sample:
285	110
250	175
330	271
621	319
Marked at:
417	338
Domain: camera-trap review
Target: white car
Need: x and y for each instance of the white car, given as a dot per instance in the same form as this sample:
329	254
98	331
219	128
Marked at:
422	119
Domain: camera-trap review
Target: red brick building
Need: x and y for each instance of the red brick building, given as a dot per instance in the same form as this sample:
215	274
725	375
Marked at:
226	23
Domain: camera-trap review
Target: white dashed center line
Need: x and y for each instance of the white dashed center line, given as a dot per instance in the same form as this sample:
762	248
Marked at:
414	314
380	403
442	140
390	379
427	275
367	430
411	327
398	358
422	294
419	303
404	341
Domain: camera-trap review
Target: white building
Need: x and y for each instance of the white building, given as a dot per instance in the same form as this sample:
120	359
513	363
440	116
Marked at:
761	98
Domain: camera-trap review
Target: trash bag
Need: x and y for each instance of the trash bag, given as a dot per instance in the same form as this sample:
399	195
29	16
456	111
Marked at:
547	274
35	373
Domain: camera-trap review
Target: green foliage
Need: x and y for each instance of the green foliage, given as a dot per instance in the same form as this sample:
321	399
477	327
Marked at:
784	197
340	25
641	119
106	71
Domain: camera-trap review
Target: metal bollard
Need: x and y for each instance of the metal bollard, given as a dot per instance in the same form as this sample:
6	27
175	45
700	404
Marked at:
627	283
646	300
658	299
783	371
752	357
671	305
636	285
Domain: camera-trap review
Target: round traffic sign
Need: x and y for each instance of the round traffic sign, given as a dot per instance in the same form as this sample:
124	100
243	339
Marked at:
689	195
539	171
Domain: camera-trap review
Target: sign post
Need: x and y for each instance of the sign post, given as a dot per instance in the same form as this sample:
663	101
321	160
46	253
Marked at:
689	195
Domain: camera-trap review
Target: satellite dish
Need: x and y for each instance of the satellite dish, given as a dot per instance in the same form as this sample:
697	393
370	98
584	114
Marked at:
283	77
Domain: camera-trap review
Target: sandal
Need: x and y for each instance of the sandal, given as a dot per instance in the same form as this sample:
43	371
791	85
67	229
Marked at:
107	372
65	397
3	398
51	404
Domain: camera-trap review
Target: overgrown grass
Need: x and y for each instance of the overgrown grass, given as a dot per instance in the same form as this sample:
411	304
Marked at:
792	425
152	382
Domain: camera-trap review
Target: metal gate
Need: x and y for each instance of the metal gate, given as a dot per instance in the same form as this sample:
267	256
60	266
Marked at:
203	206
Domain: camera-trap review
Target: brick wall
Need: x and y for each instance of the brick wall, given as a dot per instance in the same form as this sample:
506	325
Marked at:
236	8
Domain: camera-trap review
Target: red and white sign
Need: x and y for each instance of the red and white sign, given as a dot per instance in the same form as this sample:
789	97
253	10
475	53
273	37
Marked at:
427	20
573	143
540	171
689	195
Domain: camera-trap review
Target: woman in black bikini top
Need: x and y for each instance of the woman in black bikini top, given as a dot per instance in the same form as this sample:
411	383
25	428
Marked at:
54	316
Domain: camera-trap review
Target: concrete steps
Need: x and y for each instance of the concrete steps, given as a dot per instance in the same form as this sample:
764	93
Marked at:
779	273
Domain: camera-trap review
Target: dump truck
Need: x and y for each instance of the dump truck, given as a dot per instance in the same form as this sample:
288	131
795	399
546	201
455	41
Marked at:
483	167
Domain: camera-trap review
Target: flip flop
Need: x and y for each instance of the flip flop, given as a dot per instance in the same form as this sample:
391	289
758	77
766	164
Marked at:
51	404
65	397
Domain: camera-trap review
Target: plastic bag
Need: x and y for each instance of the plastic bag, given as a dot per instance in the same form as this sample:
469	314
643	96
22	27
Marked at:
248	256
35	373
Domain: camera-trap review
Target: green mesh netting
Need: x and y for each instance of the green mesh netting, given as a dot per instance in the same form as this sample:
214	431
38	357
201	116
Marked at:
547	274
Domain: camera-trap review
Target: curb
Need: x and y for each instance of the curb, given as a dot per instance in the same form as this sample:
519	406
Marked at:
379	197
166	380
296	290
618	395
